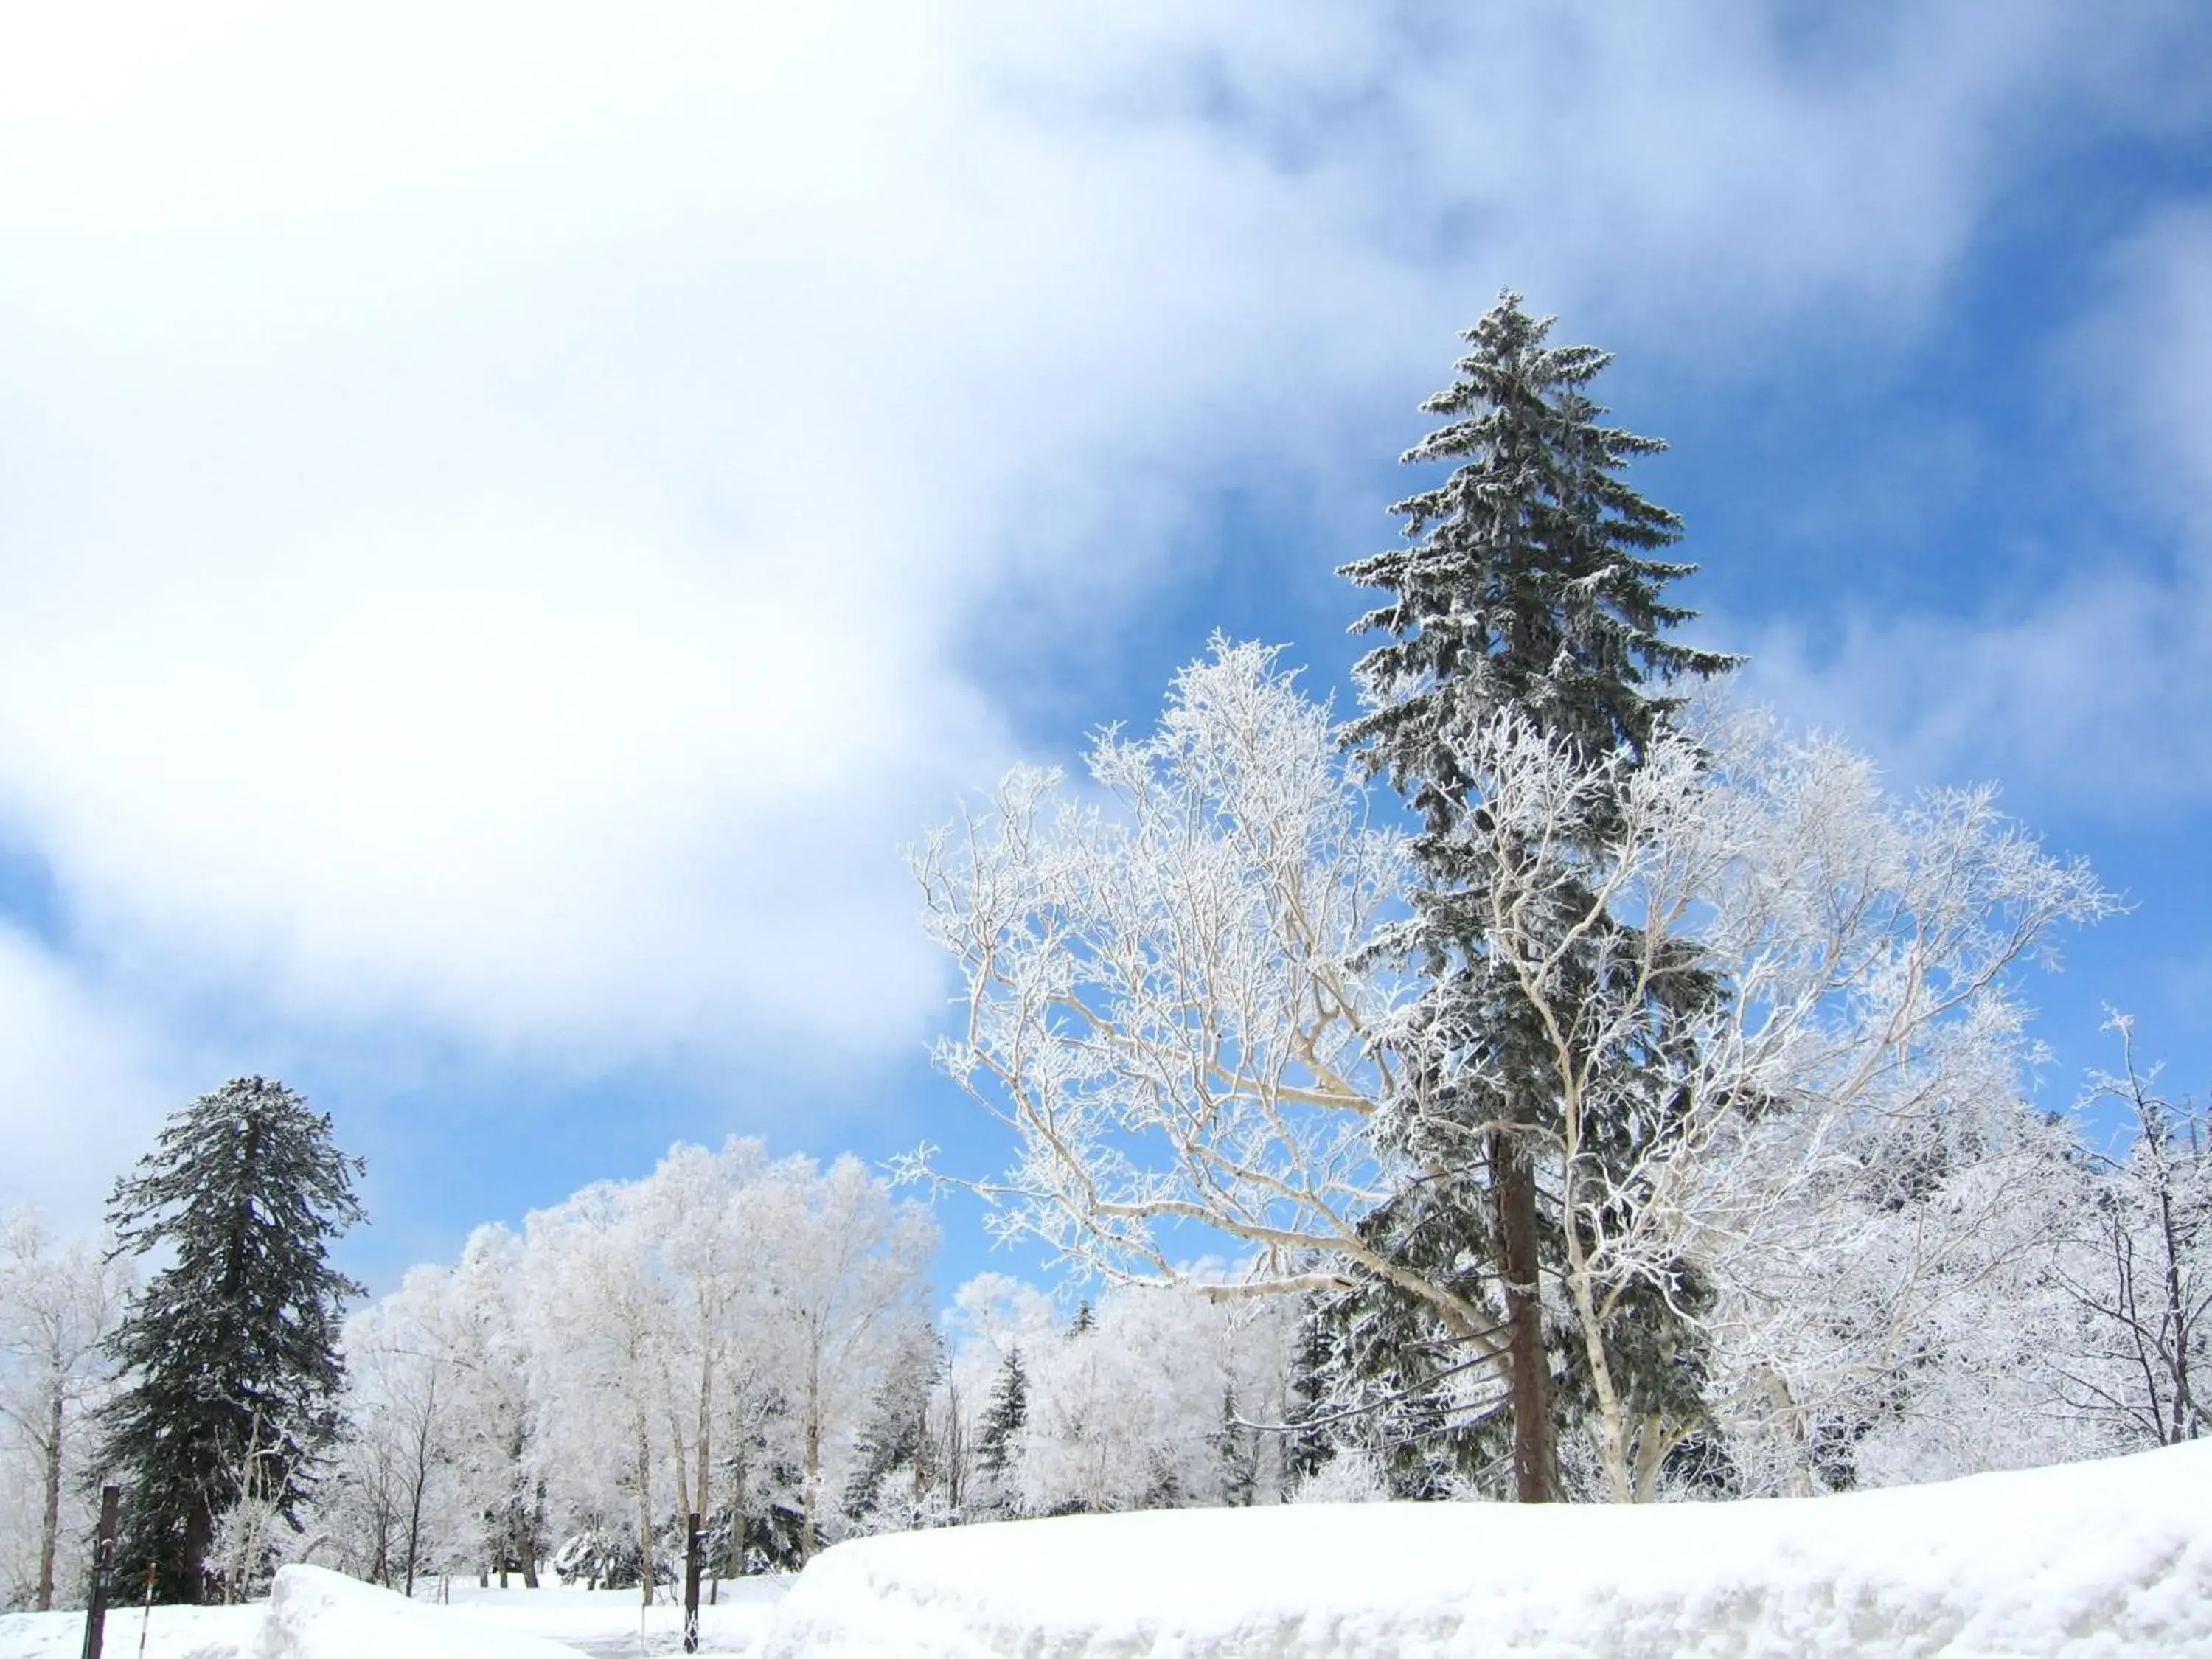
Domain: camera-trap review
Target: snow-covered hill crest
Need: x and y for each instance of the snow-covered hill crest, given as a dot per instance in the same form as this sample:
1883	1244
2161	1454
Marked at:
2108	1559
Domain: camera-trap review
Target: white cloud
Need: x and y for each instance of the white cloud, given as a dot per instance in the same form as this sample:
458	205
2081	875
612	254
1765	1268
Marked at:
491	494
77	1083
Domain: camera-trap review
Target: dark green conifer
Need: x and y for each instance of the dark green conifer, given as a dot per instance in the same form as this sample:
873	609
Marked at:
1531	579
998	1448
230	1356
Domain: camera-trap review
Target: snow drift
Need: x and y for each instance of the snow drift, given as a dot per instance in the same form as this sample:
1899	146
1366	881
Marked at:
2110	1560
315	1614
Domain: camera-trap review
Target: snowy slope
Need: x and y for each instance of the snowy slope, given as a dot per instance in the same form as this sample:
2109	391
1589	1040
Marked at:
2106	1560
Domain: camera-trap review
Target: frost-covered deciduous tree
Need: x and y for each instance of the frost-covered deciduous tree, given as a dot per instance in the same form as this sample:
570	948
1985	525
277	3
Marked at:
499	1475
1791	1019
1151	1402
409	1359
1164	994
1788	1019
849	1274
2139	1271
601	1323
59	1305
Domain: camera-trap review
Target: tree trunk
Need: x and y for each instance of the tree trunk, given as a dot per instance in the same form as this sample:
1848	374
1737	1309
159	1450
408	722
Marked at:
199	1539
50	1524
418	1486
704	1483
1535	1447
644	1513
813	1476
534	1523
740	1529
2177	1322
414	1539
815	1465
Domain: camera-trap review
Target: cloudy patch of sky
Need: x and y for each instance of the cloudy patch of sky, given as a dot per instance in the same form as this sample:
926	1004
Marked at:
511	516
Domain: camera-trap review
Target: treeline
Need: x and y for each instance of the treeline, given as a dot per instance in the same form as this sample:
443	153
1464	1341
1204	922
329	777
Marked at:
750	1338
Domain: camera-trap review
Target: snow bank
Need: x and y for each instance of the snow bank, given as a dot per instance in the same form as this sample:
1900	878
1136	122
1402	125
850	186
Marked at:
315	1614
2105	1560
166	1633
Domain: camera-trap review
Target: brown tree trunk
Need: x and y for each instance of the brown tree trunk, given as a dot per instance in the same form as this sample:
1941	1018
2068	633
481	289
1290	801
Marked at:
1535	1447
199	1539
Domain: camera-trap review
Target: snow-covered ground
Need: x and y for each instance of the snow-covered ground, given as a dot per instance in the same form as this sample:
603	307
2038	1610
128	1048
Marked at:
165	1633
2108	1560
478	1623
612	1622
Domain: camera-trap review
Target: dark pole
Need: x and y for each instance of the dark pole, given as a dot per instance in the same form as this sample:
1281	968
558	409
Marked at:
103	1556
691	1585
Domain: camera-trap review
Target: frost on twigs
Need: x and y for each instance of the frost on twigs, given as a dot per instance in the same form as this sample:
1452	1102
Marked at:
1775	1006
1161	993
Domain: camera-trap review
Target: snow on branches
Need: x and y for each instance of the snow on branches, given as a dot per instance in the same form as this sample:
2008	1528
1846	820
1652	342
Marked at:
1163	992
1776	1003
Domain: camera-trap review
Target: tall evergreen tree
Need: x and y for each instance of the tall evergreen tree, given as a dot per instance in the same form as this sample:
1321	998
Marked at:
231	1353
1530	581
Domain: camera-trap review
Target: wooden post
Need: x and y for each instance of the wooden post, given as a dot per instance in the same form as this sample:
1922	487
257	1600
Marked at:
691	1584
103	1556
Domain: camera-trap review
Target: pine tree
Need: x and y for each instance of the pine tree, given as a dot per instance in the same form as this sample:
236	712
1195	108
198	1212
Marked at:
231	1353
996	1448
1530	582
897	1435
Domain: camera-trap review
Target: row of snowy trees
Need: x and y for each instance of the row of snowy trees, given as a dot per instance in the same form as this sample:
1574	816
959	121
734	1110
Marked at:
744	1339
748	1339
707	1340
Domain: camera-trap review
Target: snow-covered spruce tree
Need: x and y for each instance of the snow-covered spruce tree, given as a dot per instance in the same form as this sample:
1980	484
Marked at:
999	1446
231	1354
893	1481
1529	583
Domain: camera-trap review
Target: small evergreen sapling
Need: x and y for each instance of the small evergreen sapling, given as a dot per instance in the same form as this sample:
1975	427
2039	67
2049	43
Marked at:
998	1446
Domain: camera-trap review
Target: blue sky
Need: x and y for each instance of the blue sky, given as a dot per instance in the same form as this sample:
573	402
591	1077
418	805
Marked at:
509	520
